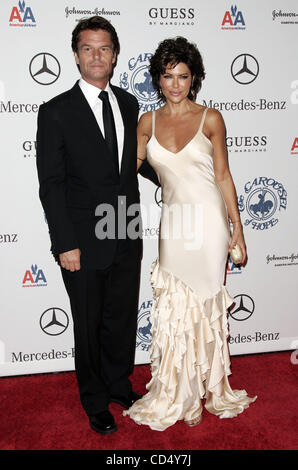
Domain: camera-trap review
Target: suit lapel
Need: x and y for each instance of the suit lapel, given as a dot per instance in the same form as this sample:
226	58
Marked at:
84	113
92	132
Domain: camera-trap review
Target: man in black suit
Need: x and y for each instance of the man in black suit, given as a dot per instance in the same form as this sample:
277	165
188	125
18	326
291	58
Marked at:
86	157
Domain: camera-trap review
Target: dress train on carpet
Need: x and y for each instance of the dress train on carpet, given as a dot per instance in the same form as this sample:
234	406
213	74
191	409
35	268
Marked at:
189	357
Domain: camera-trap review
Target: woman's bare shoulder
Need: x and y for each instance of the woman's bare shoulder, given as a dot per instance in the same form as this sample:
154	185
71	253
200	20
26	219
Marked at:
145	124
214	120
146	119
213	115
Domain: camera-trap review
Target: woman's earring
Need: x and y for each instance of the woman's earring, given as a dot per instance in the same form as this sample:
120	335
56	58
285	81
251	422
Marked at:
161	94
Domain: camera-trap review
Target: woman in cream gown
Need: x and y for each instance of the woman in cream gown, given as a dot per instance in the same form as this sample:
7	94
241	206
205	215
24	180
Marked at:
185	144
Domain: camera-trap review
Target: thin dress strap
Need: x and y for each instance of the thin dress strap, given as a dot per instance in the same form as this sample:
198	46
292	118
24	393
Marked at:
203	119
153	122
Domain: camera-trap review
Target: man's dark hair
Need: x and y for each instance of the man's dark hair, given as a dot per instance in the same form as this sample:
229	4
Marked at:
94	23
173	52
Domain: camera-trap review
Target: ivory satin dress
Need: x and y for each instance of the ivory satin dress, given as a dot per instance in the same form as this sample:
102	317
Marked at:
189	350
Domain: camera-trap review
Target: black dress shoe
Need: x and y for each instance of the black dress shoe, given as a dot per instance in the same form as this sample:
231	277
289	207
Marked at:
126	402
103	422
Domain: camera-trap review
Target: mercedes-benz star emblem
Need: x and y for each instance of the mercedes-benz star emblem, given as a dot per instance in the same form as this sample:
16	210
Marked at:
245	69
244	307
54	321
158	197
44	68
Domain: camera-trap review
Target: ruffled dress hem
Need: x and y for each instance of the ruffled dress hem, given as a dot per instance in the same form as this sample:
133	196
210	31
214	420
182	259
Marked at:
189	356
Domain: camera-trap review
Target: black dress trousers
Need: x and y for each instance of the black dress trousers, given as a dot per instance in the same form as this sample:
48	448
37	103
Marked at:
104	305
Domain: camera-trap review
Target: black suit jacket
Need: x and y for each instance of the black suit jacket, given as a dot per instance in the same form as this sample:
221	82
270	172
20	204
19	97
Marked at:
76	174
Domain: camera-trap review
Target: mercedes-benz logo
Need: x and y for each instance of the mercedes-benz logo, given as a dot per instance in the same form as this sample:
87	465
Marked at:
54	321
244	307
157	196
245	69
44	68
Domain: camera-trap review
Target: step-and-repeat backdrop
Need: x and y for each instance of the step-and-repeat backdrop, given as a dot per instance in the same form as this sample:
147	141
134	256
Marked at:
250	55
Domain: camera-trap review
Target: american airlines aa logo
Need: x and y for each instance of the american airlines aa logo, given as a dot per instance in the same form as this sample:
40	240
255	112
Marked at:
233	19
21	15
34	277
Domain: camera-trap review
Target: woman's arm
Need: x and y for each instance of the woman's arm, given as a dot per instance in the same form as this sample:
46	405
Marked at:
217	134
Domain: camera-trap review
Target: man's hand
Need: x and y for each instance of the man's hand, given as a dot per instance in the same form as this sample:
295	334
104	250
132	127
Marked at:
71	260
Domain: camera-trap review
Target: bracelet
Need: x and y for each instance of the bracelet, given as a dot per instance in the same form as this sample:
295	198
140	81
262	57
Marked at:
142	159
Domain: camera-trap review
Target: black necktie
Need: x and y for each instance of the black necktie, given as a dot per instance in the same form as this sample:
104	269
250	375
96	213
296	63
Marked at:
109	126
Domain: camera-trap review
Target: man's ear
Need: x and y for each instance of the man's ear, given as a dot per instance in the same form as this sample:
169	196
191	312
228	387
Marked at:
76	58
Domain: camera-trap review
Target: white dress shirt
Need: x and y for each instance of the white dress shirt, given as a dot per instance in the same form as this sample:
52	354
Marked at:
91	94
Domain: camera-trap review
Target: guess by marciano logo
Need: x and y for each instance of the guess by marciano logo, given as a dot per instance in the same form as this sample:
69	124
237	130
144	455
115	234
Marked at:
171	16
22	15
29	149
247	144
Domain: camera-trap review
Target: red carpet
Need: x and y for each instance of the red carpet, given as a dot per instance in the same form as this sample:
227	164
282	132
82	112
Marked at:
43	412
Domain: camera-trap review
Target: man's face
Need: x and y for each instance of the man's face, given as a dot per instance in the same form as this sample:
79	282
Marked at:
95	56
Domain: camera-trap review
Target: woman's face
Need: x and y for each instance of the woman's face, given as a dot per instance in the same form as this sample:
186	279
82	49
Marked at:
175	82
